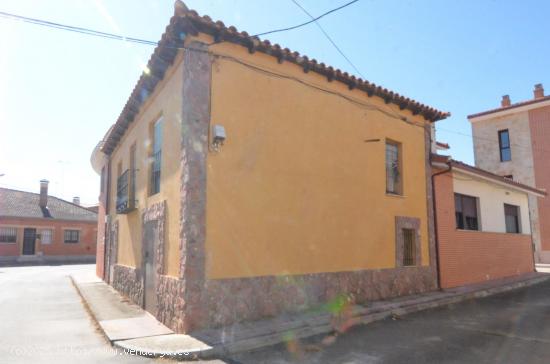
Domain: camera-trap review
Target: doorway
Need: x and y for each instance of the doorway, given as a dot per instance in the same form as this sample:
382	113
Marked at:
150	241
29	241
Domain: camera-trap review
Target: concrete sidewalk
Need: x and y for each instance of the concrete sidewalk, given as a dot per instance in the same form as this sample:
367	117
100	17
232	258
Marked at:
129	327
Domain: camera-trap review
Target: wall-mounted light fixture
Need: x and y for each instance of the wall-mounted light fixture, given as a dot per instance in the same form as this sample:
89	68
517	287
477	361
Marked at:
218	137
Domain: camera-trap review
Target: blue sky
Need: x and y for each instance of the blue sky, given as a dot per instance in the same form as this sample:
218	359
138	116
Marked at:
60	91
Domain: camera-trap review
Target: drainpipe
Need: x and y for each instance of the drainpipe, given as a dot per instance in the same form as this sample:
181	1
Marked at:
435	223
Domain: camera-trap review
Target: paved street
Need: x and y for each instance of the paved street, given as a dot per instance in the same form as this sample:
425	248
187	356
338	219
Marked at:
508	328
42	320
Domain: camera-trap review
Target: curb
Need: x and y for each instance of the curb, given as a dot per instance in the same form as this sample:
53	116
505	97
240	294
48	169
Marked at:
364	317
307	327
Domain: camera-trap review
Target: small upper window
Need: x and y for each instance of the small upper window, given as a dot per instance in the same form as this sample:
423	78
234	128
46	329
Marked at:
156	157
72	236
8	235
504	144
394	180
511	218
466	212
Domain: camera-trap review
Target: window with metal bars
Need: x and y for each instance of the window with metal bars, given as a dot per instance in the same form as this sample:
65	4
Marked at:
8	235
122	193
71	236
393	168
409	247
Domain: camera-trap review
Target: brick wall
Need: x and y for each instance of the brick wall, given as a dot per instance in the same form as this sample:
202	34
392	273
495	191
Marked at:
86	245
539	123
467	257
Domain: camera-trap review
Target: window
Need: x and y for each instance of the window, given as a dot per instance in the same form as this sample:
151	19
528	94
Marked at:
102	181
122	192
72	236
393	168
409	247
156	157
466	212
8	235
132	188
511	218
504	145
46	236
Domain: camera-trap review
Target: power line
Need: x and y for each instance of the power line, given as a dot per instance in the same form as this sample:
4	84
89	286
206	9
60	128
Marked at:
96	33
70	28
313	20
329	39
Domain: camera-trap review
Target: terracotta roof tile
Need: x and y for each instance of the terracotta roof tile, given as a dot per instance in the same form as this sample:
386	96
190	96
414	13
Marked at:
189	21
513	106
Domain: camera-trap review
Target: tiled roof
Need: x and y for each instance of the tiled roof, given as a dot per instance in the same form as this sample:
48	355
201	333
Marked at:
187	21
15	203
466	167
513	106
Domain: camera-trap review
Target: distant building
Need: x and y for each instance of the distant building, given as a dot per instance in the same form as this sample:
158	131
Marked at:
35	227
482	223
514	141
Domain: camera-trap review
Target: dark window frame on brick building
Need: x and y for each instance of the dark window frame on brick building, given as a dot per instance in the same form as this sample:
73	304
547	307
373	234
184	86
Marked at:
512	219
71	236
466	212
8	235
504	145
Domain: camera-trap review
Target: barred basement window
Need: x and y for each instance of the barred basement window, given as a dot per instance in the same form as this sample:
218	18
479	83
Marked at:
8	235
72	236
409	247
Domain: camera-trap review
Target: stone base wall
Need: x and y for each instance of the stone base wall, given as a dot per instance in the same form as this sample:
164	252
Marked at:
128	282
170	300
228	301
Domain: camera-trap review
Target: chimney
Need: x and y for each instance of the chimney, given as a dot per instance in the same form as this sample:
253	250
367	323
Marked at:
505	101
43	193
76	200
538	91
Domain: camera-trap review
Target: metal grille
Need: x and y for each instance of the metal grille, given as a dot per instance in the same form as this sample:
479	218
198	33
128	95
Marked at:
122	192
392	168
409	248
8	235
71	236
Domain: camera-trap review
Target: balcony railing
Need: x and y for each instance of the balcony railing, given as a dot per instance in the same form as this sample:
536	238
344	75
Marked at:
124	203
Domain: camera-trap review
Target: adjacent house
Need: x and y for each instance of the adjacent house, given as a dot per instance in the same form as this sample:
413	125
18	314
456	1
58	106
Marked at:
514	141
482	223
35	227
244	180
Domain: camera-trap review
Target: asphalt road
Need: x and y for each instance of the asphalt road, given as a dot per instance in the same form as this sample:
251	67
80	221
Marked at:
43	320
509	328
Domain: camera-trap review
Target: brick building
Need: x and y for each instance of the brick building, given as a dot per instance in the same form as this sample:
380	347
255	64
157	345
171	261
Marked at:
482	223
35	227
513	140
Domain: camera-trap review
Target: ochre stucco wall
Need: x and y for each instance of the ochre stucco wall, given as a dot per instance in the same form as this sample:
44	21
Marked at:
166	102
296	189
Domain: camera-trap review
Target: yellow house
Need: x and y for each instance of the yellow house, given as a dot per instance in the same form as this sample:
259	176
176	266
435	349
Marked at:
243	180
